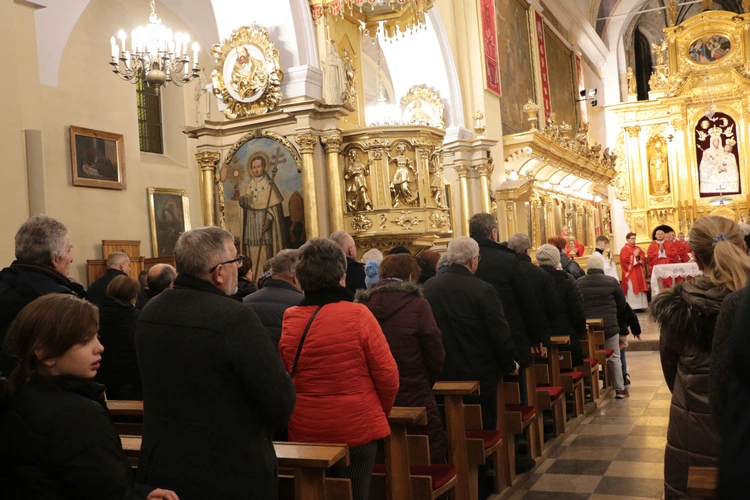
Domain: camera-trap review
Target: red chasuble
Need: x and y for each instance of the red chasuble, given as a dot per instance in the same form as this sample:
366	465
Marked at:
653	254
579	248
632	268
681	251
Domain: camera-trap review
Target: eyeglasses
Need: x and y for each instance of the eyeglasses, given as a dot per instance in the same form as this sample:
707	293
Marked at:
479	257
238	260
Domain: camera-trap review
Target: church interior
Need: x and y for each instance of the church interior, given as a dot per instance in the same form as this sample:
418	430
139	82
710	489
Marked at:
396	121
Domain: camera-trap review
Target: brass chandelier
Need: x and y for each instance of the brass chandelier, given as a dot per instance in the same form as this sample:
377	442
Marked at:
155	55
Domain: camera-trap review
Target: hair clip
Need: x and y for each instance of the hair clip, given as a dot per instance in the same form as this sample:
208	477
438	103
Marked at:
720	237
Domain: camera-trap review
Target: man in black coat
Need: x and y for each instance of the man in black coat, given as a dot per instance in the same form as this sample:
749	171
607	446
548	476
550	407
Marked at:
42	265
500	268
118	264
355	270
541	282
214	388
280	292
469	313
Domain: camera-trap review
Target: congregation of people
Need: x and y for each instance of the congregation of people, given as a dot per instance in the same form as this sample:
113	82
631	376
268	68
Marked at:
324	344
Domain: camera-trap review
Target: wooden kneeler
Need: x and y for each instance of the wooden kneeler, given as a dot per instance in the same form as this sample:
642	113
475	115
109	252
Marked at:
550	398
481	446
572	382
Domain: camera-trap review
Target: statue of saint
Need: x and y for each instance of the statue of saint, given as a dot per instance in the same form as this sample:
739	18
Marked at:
672	12
334	82
632	86
350	72
659	172
745	5
403	189
355	175
263	215
436	179
202	100
249	75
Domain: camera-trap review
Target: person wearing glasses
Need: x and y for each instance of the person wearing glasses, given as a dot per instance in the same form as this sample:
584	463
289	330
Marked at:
214	389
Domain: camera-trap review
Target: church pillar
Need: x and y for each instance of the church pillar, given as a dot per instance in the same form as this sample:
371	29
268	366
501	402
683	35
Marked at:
332	145
208	162
462	170
485	173
634	160
306	143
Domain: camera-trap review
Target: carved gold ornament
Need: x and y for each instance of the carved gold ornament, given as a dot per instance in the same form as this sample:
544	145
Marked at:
247	76
361	223
407	220
422	106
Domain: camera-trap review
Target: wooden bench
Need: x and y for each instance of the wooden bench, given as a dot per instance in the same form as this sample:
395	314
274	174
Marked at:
407	472
702	482
308	461
483	445
590	367
455	425
127	415
550	398
572	381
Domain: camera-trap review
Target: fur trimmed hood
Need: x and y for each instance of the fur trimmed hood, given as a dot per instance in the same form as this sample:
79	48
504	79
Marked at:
684	309
387	298
388	286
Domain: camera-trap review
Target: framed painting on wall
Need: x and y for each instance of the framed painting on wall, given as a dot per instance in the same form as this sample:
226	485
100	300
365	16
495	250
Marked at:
169	212
97	158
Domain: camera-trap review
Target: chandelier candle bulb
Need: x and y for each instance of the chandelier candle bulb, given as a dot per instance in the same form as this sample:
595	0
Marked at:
114	49
122	36
195	53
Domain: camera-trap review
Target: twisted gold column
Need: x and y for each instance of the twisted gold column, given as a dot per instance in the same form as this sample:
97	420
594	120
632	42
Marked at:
208	160
463	183
306	144
332	145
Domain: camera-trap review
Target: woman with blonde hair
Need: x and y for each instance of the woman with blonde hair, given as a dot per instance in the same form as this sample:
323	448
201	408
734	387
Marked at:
688	315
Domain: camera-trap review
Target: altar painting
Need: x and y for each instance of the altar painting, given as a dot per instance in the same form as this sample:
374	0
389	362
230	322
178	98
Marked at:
709	49
717	152
263	203
563	80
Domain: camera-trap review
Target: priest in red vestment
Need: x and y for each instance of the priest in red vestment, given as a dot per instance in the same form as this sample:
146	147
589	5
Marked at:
660	251
680	248
578	247
632	259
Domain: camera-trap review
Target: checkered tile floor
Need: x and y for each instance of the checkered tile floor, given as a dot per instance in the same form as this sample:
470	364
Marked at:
617	453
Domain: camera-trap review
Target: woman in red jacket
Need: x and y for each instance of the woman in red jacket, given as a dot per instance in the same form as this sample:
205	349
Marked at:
415	340
340	362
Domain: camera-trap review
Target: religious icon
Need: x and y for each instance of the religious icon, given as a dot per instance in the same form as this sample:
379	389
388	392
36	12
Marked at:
355	175
97	158
170	217
249	75
265	211
709	49
718	171
658	166
403	186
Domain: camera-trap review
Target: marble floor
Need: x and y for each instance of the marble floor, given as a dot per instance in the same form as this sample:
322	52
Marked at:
617	453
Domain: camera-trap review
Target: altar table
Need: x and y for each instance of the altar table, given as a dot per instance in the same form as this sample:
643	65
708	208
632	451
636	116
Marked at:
665	276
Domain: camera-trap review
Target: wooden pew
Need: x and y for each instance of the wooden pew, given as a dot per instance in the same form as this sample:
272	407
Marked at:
590	367
483	445
308	460
550	398
453	393
572	381
702	482
127	415
399	477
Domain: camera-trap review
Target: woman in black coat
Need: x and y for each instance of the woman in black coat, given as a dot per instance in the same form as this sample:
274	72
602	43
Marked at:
117	319
569	318
414	338
58	439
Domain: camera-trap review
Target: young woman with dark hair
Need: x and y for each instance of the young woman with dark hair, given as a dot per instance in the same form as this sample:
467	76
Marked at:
58	438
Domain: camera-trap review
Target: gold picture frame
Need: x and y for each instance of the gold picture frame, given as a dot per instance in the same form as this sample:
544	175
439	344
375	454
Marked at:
97	159
169	213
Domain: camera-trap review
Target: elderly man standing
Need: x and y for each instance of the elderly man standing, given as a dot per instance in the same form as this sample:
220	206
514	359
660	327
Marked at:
280	292
355	270
42	265
476	336
214	388
118	264
159	278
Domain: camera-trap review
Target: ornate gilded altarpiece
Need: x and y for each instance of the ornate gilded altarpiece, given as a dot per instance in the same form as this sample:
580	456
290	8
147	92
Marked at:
680	154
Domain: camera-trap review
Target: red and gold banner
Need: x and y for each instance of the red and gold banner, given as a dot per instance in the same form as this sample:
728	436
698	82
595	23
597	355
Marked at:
546	99
489	47
581	86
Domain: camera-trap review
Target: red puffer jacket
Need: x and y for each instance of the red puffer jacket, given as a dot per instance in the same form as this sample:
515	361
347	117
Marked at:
346	377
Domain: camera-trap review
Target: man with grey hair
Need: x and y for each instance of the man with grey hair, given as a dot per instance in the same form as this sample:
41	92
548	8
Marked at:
469	313
159	278
541	282
42	265
355	270
214	388
280	292
118	264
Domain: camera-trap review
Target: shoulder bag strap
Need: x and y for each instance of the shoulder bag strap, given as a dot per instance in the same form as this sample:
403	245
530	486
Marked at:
302	340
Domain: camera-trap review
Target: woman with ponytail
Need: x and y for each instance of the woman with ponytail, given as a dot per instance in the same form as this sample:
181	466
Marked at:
687	314
58	440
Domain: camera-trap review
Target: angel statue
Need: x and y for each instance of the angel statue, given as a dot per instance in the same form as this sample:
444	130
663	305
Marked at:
672	12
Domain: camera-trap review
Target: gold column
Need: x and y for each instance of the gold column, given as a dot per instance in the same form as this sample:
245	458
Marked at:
462	170
208	161
634	161
485	173
306	144
536	227
332	146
